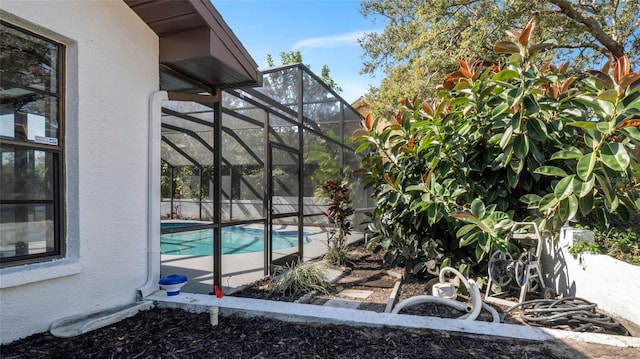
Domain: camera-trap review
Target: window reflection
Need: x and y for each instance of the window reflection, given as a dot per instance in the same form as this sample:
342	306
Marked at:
31	195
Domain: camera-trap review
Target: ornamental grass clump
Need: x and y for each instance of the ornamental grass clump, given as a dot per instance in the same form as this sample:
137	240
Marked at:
523	140
302	278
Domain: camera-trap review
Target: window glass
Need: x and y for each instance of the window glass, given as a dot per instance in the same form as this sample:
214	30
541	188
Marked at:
26	174
27	229
27	62
31	201
29	71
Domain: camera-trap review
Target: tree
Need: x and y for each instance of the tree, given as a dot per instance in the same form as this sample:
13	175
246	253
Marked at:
286	58
294	57
326	78
525	140
423	40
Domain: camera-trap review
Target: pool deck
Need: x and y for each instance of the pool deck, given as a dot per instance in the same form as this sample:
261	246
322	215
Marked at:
239	270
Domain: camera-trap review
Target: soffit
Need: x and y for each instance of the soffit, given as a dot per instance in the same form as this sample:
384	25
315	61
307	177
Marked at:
197	48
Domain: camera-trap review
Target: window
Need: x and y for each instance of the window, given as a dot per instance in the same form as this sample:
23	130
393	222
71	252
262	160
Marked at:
31	148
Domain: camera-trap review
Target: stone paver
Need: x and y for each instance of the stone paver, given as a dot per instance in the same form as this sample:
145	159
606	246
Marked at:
340	303
355	293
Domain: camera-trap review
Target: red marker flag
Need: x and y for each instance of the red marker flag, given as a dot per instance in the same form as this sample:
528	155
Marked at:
218	291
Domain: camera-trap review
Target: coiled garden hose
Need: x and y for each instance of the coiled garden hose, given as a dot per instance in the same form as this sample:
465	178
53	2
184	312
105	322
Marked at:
575	313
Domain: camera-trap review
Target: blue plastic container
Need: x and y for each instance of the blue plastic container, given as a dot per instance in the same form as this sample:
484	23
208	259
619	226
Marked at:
172	283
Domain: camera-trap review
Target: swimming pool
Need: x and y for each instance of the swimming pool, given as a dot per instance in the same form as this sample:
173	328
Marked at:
235	240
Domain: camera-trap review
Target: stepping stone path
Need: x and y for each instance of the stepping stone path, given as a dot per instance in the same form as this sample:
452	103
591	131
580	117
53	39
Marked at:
355	293
349	304
340	303
353	298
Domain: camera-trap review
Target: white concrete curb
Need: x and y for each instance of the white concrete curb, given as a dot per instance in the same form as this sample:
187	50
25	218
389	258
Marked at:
308	313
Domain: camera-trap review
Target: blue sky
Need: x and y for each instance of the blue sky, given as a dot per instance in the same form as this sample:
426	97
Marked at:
324	31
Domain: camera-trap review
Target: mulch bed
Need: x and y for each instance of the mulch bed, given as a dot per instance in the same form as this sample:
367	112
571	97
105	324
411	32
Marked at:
174	333
366	271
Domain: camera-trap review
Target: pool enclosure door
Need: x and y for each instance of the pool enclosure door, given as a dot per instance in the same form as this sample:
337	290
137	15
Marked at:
284	203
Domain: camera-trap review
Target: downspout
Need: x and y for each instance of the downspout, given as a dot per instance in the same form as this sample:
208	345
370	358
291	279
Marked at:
153	195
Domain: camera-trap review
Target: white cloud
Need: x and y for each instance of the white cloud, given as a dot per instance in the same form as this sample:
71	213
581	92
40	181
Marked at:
350	38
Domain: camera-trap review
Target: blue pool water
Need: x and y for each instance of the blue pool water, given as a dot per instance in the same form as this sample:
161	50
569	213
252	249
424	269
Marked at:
235	240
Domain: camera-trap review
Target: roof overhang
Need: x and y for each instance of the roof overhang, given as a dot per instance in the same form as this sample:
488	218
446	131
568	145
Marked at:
198	50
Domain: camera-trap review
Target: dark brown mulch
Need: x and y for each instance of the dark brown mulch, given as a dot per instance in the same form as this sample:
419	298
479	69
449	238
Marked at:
173	333
366	271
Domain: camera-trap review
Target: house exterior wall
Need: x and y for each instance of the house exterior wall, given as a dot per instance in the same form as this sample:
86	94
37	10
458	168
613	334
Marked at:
111	71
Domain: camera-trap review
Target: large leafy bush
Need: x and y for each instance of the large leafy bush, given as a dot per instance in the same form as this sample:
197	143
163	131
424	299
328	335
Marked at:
500	144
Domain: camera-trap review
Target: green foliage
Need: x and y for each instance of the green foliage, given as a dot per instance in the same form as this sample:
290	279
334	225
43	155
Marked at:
286	58
186	181
584	247
338	213
620	241
302	278
325	155
295	57
336	253
325	75
523	141
422	40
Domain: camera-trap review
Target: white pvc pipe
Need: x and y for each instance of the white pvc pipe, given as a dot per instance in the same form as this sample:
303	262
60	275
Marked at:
419	299
476	300
494	313
485	306
444	270
153	195
472	288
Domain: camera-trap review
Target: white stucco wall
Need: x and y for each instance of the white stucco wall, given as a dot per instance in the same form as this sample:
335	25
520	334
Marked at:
612	284
111	71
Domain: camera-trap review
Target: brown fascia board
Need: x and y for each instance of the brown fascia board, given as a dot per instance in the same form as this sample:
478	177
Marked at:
195	52
193	33
227	37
